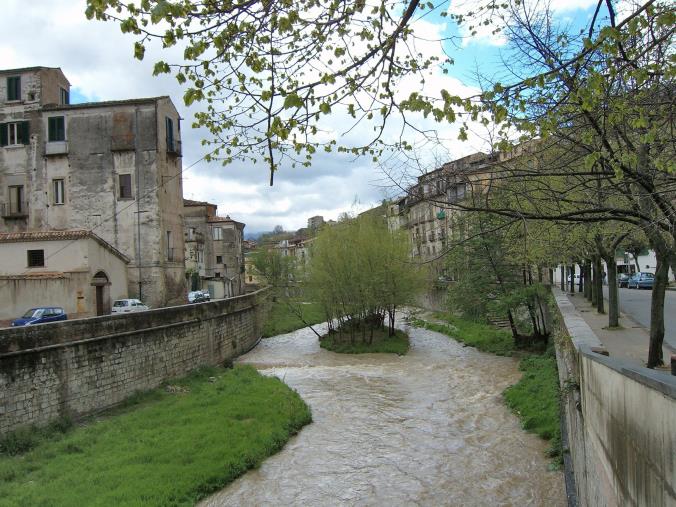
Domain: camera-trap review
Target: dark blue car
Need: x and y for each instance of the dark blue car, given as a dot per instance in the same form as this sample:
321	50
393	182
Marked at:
40	316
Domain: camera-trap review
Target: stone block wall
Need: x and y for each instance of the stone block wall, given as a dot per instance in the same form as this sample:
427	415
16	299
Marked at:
76	368
620	421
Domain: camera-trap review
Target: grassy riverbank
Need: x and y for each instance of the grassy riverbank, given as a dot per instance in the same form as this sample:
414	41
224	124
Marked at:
282	319
170	446
397	344
535	397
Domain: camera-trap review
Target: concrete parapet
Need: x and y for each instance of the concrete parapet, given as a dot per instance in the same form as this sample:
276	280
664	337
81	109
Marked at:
620	421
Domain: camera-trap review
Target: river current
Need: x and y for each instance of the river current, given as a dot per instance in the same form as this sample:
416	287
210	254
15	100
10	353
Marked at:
428	428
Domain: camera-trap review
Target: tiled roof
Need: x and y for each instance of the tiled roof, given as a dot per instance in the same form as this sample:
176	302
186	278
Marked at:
188	202
65	235
226	219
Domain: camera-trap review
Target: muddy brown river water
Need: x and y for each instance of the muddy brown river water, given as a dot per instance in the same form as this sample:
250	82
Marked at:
429	428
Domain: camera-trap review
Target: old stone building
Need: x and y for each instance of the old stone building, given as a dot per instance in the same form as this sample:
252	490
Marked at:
109	167
213	250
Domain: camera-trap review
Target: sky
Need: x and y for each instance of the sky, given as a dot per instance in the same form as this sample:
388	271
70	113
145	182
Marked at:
98	61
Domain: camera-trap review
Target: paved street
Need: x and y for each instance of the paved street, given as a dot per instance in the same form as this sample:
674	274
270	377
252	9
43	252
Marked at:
636	304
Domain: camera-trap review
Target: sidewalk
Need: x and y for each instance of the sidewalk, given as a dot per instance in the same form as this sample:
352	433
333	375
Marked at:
630	341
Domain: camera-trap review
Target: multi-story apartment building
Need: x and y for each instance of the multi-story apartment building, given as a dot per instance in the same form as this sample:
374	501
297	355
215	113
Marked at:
427	211
213	250
113	168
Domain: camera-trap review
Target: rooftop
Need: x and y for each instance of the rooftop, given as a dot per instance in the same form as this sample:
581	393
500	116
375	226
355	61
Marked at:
64	235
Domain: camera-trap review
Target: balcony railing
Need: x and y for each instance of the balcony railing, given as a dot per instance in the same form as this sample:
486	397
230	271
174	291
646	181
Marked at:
14	210
174	147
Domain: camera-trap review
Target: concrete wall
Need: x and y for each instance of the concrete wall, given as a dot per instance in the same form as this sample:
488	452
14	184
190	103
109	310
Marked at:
620	421
76	368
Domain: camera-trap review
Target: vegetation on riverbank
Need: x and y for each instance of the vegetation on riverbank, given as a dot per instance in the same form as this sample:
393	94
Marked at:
382	342
284	317
535	398
481	336
170	446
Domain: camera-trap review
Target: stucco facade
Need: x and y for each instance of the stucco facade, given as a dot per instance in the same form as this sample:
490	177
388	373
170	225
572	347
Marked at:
110	167
73	269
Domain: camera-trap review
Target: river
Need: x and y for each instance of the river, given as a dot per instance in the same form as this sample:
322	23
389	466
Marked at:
428	428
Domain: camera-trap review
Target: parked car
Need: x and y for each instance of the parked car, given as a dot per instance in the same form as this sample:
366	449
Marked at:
623	279
577	278
197	296
129	305
41	315
207	296
641	281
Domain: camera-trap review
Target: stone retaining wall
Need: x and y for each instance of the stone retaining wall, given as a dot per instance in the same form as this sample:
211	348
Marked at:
620	421
79	367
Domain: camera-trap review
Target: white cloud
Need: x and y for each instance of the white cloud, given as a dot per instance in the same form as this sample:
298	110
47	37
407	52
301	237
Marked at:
97	59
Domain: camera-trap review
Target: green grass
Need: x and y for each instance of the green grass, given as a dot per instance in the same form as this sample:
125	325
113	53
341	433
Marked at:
484	337
282	320
536	399
163	448
397	344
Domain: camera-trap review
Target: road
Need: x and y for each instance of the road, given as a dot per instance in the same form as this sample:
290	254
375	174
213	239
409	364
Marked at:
636	304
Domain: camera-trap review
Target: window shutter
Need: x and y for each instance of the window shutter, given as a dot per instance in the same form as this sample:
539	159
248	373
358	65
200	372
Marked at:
3	134
25	132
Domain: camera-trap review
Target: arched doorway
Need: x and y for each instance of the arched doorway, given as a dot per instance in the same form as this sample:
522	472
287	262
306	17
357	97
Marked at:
101	286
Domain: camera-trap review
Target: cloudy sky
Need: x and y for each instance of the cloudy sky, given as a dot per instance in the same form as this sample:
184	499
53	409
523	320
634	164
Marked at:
97	59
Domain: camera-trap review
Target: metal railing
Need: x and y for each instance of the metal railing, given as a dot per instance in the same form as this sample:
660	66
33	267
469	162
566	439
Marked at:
14	210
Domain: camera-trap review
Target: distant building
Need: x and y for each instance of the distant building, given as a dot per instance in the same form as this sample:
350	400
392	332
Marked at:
314	223
110	167
72	269
214	250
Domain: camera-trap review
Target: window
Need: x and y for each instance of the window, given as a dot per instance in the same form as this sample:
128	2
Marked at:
170	250
125	186
59	191
65	96
217	274
219	259
16	203
191	233
170	134
217	233
36	258
14	133
14	88
56	129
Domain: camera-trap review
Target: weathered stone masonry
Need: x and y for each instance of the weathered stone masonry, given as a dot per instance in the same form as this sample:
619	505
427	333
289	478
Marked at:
76	368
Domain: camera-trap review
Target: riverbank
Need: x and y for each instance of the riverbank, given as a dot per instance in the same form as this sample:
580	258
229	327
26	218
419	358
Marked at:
284	316
535	398
170	446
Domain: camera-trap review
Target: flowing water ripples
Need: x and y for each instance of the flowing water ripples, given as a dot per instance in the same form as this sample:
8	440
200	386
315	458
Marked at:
429	428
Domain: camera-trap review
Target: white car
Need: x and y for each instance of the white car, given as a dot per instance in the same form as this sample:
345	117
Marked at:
128	305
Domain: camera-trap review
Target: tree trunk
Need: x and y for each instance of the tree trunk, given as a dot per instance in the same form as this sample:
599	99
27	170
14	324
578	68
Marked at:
587	280
613	300
572	278
638	267
580	286
512	327
599	285
594	287
657	308
563	279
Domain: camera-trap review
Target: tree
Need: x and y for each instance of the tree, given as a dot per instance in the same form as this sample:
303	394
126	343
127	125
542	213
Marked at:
635	244
269	72
360	273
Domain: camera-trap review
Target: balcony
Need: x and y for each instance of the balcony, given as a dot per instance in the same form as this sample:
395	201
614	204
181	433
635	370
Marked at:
16	210
56	148
174	147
